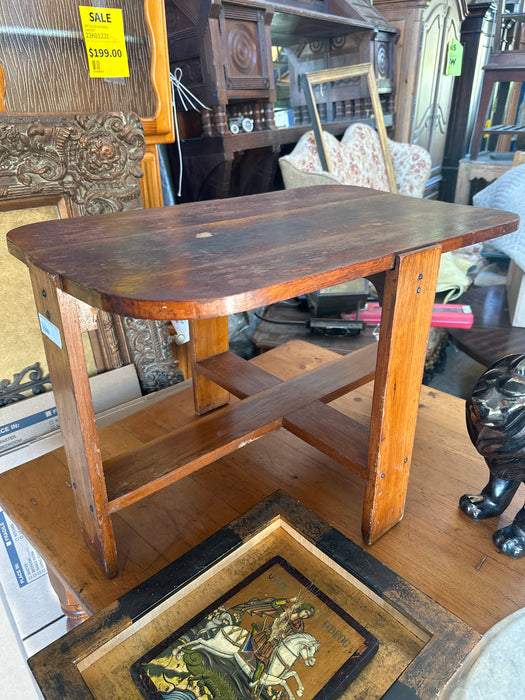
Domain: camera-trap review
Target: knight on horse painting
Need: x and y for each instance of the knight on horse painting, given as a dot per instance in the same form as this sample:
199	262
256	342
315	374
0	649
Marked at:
282	617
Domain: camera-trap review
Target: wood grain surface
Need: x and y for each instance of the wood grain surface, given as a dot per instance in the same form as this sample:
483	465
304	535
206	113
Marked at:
435	547
54	75
228	256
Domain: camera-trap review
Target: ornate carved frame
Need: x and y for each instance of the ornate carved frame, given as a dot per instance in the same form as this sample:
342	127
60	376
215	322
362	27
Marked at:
87	164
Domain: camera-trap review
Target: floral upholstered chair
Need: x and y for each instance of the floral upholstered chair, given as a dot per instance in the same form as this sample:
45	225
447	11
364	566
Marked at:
356	160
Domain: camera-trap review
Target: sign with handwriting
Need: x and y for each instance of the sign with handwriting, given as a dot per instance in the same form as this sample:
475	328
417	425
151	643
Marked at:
454	58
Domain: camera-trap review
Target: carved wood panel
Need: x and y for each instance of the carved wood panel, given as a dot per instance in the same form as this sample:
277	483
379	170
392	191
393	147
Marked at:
225	52
85	165
45	65
245	51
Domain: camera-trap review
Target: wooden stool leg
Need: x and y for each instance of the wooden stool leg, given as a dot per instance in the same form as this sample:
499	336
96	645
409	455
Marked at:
69	378
405	323
209	336
71	608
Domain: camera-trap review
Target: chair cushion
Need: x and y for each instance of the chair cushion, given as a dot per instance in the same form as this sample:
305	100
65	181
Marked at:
365	148
358	160
411	163
350	164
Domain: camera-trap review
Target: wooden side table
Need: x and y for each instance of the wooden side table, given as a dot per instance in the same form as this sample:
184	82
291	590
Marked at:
207	260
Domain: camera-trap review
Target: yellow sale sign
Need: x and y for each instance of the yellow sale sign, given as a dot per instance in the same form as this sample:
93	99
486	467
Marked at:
103	30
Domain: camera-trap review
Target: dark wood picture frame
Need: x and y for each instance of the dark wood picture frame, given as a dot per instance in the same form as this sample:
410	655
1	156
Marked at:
387	605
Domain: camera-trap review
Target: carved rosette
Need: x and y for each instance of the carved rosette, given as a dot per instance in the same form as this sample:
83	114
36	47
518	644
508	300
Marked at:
382	62
95	159
242	49
93	163
105	157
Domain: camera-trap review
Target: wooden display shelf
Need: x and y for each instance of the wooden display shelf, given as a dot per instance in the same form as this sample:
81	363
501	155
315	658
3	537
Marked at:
207	260
134	475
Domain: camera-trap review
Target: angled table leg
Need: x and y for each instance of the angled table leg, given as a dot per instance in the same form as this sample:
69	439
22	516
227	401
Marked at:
405	322
209	337
67	366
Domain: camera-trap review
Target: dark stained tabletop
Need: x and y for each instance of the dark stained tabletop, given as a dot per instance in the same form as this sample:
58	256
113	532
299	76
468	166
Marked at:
220	257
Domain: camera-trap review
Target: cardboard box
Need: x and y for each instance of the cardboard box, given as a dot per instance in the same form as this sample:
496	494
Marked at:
28	422
29	428
516	295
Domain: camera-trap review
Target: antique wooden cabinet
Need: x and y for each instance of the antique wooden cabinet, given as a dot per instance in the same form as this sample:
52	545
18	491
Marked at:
243	59
476	33
424	91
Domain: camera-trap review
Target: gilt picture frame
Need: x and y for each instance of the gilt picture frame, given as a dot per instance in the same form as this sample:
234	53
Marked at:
421	645
308	80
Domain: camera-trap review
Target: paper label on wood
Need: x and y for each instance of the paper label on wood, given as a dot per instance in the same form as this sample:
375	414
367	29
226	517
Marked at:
50	330
103	30
454	58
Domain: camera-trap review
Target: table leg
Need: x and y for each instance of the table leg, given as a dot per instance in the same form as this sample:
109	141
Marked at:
209	337
69	378
71	608
405	323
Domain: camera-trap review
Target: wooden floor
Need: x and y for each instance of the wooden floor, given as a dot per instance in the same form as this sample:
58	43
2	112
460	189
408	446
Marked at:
435	547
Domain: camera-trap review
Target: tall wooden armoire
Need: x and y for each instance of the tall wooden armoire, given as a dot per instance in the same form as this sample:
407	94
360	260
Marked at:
243	60
424	91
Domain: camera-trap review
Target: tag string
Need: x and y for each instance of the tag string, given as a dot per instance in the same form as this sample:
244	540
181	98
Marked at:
188	101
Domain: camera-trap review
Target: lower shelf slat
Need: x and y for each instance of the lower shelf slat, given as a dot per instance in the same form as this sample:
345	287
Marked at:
318	424
137	474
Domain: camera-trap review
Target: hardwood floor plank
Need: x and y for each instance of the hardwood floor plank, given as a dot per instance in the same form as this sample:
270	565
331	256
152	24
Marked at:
435	546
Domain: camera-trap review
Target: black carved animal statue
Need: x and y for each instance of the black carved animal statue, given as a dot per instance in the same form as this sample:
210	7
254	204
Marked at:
496	425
